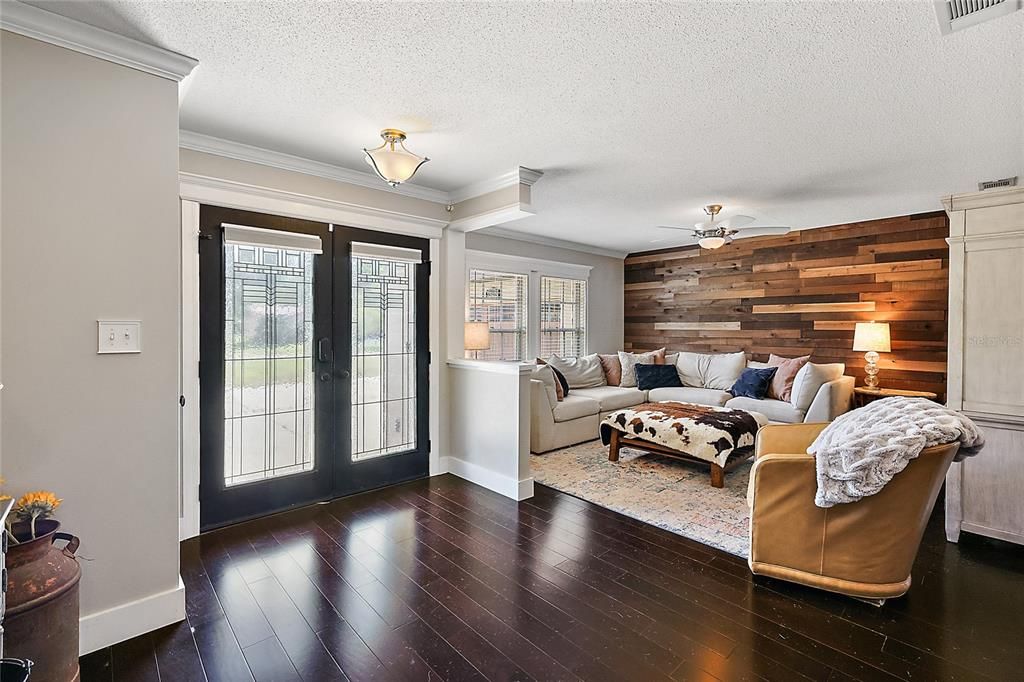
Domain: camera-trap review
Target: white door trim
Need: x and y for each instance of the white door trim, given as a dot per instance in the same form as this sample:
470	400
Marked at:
188	522
196	190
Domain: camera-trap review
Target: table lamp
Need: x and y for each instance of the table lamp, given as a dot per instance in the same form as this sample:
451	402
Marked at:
477	336
872	337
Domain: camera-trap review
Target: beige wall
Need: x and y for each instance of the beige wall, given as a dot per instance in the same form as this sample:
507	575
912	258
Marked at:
604	288
90	231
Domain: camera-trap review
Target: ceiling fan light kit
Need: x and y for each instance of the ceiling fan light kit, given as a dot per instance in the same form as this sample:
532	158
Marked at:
711	235
392	162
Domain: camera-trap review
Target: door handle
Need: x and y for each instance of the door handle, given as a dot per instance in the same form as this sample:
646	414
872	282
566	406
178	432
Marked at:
323	350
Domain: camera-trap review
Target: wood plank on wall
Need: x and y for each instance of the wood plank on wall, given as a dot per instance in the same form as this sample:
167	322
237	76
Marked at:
803	293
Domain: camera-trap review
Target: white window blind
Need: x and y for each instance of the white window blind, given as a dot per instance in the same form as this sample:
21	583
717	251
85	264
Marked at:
500	299
243	235
563	316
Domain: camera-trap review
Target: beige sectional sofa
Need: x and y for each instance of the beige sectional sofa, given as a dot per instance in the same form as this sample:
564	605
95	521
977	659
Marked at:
820	396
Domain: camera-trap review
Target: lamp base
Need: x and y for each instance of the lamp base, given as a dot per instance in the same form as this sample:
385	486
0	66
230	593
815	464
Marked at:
871	369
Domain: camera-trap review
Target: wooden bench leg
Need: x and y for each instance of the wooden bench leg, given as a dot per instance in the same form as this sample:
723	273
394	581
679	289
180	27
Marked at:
613	446
717	476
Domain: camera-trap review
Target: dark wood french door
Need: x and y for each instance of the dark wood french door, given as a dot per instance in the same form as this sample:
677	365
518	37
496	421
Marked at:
314	362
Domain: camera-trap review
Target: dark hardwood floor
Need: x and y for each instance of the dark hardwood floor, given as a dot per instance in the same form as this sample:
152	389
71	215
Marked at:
441	579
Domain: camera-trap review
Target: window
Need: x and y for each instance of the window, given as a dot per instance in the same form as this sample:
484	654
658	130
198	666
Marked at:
563	316
535	307
499	298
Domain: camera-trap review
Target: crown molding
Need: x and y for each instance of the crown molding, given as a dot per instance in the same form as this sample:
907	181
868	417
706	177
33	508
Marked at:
39	24
506	233
244	196
517	176
266	157
983	199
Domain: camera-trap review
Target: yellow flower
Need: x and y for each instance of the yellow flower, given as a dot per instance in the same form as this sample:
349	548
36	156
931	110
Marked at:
38	503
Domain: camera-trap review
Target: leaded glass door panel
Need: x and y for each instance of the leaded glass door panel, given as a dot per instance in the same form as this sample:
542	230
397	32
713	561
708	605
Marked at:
384	281
266	300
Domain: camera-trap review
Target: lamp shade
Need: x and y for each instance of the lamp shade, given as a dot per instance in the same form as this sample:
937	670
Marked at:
711	242
392	161
478	336
872	336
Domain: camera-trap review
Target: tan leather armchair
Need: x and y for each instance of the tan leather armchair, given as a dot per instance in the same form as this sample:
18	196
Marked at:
863	549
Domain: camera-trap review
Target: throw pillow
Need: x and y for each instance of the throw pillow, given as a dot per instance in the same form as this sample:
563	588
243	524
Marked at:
753	383
656	376
543	374
629	362
612	368
718	371
782	383
563	383
581	372
561	387
810	378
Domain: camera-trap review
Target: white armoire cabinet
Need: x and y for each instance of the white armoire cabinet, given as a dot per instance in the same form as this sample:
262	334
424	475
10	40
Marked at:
985	494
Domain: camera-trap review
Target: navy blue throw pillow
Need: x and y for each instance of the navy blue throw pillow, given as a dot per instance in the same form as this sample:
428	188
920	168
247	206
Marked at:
561	380
753	383
656	376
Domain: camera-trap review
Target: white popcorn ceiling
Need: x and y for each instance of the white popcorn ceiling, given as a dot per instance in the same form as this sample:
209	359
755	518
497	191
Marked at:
801	114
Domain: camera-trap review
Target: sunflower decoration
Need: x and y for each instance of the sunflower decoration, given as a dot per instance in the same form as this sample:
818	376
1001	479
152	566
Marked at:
39	504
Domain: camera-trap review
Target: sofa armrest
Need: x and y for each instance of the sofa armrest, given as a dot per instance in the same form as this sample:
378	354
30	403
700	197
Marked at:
786	438
833	399
542	421
785	525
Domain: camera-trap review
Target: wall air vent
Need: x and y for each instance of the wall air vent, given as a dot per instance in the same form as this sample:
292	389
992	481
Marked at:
957	14
995	184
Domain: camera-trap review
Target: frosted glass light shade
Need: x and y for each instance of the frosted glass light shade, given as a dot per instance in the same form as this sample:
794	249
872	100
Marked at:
872	336
712	242
478	336
391	161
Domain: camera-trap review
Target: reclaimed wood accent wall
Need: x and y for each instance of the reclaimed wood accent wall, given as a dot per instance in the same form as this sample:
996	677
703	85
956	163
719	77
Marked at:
802	293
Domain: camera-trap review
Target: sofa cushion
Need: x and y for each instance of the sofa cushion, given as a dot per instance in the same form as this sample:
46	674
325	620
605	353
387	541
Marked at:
543	374
781	387
613	397
612	368
630	360
688	394
810	378
753	383
581	372
656	376
575	406
775	410
719	371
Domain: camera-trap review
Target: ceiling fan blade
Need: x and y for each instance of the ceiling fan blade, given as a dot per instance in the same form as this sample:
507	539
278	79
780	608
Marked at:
675	227
763	231
706	225
736	221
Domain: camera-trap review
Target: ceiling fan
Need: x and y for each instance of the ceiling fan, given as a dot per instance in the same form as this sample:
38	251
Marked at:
712	235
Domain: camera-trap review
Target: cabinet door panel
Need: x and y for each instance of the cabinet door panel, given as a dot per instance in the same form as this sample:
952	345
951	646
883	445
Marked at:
993	329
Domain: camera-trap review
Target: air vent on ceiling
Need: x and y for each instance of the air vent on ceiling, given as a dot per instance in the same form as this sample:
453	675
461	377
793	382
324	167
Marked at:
957	14
995	184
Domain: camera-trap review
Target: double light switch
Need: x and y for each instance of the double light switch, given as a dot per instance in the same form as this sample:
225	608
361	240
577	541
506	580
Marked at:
119	336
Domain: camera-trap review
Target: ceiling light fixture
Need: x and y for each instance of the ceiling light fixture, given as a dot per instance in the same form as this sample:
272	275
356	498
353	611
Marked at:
711	235
391	161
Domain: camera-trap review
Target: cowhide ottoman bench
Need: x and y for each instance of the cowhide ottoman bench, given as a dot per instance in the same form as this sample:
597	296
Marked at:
720	436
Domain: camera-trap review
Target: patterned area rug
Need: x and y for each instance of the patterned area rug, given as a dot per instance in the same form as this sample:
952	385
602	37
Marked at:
667	493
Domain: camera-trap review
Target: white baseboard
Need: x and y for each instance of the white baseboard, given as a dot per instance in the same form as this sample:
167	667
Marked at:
503	485
119	623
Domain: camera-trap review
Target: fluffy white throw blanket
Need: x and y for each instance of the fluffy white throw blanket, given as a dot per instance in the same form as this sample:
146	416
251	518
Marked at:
859	452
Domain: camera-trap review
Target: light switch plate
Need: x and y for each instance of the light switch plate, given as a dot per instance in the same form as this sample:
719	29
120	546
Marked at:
119	336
